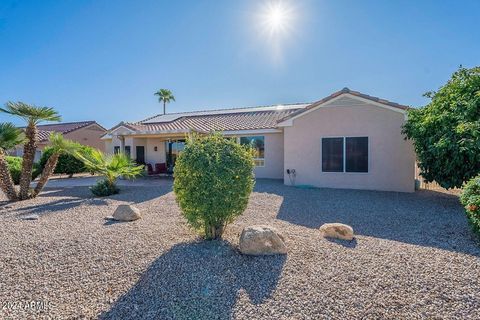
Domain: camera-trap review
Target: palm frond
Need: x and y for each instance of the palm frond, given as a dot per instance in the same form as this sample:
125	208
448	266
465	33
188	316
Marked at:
10	136
62	145
31	113
165	95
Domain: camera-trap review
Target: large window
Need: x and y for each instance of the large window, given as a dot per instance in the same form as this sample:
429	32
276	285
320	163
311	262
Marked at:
345	154
258	144
116	149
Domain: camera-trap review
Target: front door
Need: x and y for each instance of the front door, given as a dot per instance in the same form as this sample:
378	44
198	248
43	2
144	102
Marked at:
140	154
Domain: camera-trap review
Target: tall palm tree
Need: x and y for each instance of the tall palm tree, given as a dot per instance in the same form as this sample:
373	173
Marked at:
10	136
59	146
165	96
32	115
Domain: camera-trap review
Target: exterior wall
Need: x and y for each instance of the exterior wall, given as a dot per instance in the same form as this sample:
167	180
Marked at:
152	156
273	168
391	158
89	136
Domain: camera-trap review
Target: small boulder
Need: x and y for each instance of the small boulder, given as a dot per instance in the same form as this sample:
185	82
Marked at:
126	212
337	230
262	240
31	217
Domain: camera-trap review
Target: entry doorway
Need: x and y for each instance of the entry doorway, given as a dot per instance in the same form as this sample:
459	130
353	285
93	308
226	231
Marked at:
140	150
173	149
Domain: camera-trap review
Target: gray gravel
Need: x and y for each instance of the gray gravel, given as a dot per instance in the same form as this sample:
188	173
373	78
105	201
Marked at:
414	257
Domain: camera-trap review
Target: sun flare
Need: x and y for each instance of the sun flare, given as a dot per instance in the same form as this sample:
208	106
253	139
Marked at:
276	17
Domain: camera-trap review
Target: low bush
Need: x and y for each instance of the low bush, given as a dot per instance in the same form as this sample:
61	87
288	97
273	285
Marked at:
103	188
213	181
67	163
15	168
470	199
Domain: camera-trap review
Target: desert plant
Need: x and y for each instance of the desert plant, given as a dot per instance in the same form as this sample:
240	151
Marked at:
165	96
213	181
103	188
446	132
470	199
59	145
10	136
67	162
32	115
110	166
15	168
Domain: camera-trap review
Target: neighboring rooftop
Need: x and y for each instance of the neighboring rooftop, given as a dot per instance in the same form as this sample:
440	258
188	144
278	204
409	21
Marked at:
45	130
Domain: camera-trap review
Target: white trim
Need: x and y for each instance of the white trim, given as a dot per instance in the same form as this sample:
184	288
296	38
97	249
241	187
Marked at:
289	122
344	145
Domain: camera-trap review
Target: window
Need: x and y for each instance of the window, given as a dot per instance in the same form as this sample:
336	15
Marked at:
345	154
127	151
116	149
258	144
332	154
356	153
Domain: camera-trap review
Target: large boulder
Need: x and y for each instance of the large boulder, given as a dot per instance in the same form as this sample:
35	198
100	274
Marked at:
337	230
262	240
126	212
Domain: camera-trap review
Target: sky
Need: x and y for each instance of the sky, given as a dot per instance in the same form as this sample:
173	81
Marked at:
104	60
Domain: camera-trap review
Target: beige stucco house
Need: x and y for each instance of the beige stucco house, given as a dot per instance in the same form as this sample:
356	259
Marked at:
85	132
346	140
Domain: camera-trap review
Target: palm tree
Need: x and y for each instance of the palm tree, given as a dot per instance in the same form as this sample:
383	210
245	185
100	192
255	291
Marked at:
165	96
59	146
111	166
10	136
32	115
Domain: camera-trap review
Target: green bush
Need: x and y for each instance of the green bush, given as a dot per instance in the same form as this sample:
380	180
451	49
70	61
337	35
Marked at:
470	199
15	168
67	163
213	181
103	188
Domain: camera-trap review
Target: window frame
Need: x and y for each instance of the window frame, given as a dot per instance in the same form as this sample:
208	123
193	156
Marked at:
238	138
345	155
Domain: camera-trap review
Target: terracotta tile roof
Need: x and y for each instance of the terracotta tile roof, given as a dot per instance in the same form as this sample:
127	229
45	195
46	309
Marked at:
343	91
216	120
45	130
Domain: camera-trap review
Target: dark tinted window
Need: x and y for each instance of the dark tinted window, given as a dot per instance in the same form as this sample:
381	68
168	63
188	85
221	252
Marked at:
128	151
332	154
116	149
356	154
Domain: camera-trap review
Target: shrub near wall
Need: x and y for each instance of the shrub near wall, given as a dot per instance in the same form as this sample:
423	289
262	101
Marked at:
67	163
470	198
15	168
213	181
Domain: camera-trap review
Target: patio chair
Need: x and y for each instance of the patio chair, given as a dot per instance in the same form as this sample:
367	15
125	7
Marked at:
161	168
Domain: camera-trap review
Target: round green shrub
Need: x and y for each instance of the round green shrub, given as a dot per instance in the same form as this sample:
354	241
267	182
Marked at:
470	199
67	163
15	167
104	188
213	181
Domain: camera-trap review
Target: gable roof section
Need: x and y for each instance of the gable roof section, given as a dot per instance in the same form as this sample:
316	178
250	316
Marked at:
256	118
45	130
345	92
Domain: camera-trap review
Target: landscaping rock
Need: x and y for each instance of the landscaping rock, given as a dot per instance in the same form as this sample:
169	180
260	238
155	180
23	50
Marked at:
262	240
337	230
125	212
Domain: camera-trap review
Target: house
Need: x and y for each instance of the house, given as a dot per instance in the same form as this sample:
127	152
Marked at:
85	132
347	140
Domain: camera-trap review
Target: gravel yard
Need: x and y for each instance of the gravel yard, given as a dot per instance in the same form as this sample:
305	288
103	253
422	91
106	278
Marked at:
414	257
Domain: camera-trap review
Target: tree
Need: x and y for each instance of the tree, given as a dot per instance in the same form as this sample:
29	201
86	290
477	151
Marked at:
59	145
446	132
32	115
10	137
213	181
111	166
165	96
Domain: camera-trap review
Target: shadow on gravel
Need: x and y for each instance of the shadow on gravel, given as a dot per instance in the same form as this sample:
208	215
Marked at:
424	218
199	280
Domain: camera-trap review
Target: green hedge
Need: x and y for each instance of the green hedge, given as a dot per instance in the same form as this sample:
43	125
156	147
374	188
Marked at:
15	167
67	164
213	181
470	199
